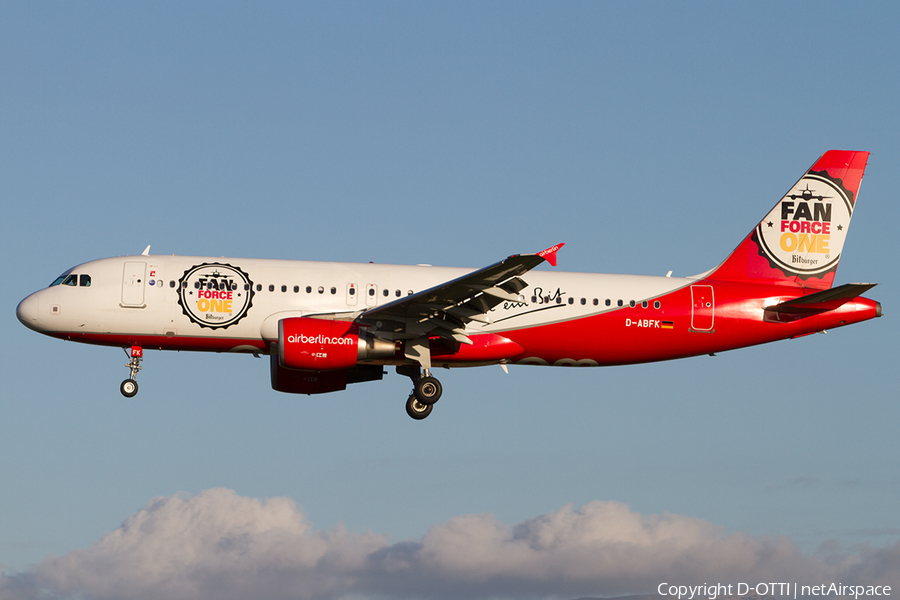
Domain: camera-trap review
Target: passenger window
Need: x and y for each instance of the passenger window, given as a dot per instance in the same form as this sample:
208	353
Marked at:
309	289
385	292
656	304
583	301
283	289
534	299
352	291
644	304
334	290
397	293
258	287
296	289
571	300
321	290
84	280
271	287
71	280
631	304
608	302
620	303
596	302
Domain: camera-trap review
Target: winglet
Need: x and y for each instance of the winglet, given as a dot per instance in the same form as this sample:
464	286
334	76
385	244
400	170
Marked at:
146	251
550	253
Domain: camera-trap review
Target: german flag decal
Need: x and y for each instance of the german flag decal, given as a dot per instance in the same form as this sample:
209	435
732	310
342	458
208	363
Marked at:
667	325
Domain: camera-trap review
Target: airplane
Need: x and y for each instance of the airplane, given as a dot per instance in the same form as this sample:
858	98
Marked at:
325	325
807	195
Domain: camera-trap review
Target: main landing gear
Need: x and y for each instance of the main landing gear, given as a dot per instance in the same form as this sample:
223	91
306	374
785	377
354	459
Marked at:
416	409
129	387
425	393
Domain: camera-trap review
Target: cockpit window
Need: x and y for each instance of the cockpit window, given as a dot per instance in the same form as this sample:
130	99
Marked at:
73	279
61	278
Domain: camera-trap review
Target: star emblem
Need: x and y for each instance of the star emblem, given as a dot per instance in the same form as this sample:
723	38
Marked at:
769	223
840	227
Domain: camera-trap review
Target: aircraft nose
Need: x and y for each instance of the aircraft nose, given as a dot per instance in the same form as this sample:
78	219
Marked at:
27	312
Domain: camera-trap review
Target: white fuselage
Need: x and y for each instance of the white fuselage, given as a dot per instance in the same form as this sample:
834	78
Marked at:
139	296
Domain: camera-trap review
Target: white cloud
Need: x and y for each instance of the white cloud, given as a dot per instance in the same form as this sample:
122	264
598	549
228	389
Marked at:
219	545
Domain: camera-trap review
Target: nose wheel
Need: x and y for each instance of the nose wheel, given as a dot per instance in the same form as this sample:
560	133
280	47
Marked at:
129	387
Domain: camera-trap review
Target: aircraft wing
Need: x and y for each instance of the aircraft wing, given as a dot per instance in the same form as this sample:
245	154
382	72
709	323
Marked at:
445	309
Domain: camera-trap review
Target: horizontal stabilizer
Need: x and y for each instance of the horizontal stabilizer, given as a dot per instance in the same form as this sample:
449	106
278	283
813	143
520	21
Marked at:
821	301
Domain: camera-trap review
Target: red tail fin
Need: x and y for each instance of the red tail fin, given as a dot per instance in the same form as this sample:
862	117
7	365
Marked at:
800	241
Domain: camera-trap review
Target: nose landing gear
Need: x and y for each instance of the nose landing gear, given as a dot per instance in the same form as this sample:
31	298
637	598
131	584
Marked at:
129	387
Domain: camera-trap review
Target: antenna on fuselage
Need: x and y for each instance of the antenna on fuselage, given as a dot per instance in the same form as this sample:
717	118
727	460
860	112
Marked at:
146	251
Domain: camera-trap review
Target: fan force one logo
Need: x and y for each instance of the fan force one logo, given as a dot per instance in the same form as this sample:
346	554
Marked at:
805	232
215	295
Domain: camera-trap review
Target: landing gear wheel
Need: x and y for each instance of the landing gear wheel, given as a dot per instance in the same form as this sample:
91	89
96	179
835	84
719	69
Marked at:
428	390
129	388
416	409
135	355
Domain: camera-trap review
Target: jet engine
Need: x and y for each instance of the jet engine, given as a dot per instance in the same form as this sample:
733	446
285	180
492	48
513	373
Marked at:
311	344
316	356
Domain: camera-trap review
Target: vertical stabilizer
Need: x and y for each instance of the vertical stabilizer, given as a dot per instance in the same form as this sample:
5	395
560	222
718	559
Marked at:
800	241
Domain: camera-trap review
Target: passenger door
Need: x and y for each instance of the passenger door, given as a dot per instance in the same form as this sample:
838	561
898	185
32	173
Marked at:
703	307
133	284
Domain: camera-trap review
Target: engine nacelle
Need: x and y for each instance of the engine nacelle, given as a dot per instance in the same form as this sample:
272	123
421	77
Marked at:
311	344
293	381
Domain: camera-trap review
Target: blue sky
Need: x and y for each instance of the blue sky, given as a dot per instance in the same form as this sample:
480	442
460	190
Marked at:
647	136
